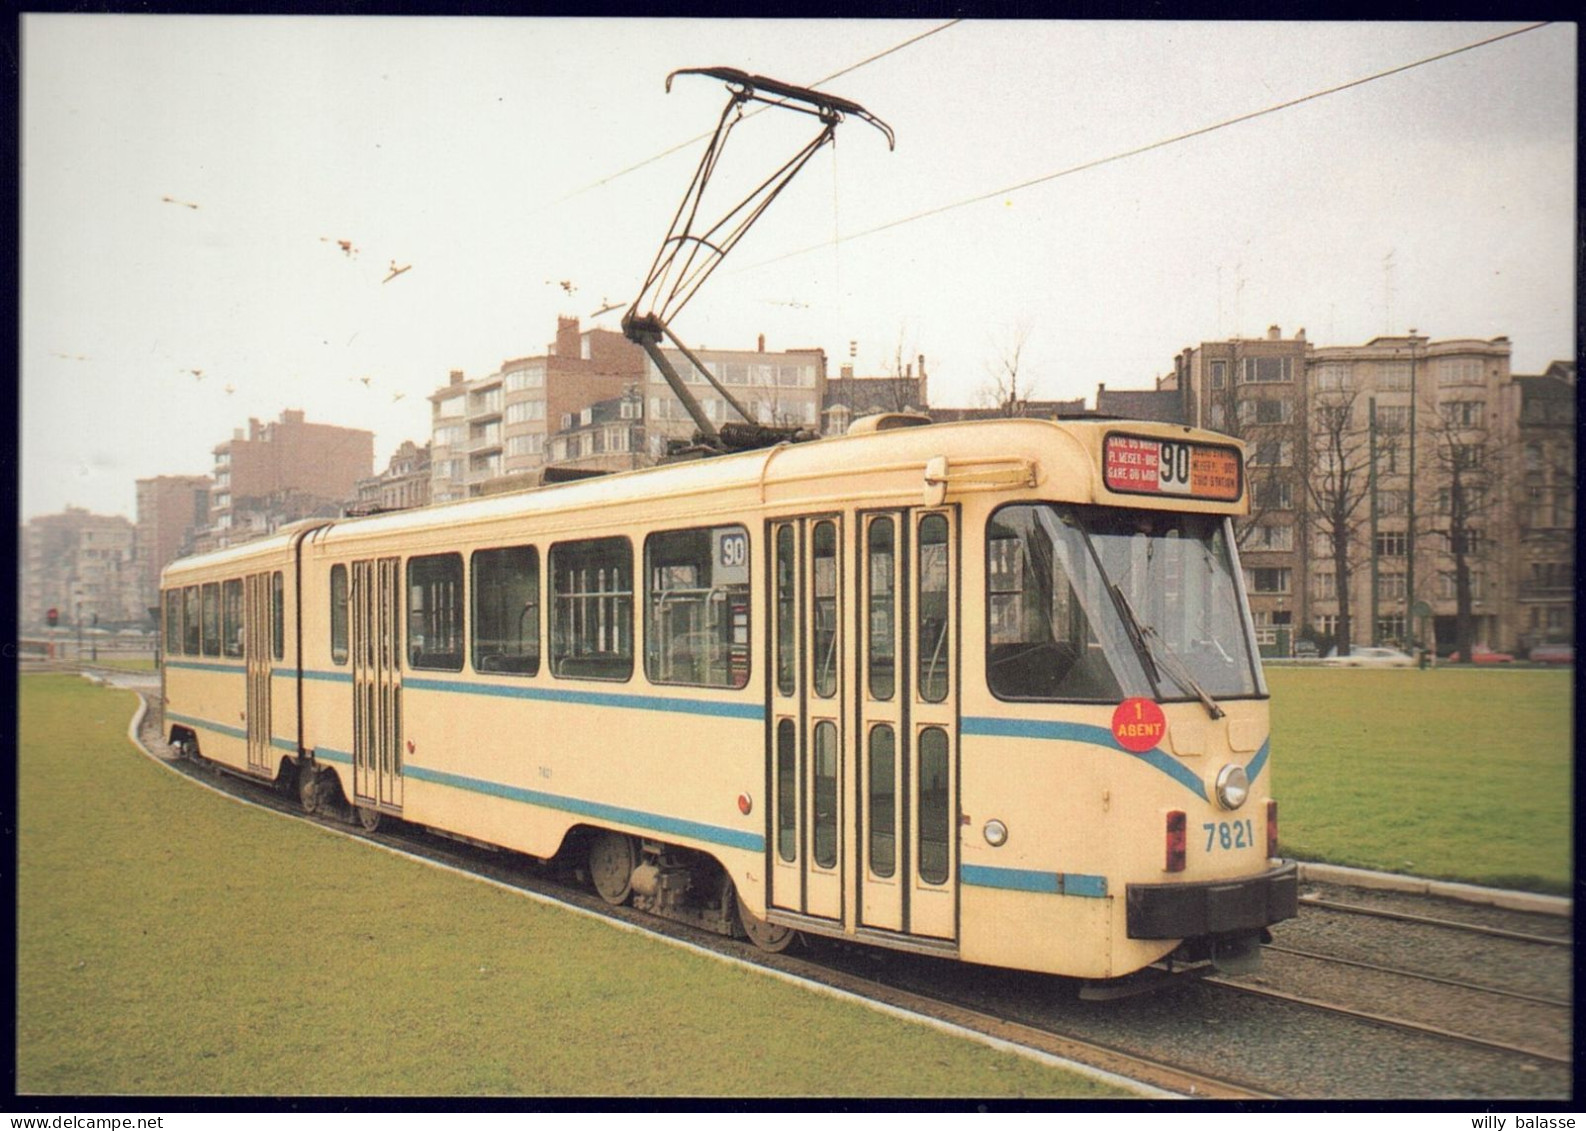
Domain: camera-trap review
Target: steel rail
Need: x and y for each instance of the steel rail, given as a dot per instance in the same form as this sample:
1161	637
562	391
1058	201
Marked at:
1399	1023
1427	920
1537	999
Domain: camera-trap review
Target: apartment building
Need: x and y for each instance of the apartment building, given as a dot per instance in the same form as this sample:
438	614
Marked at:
283	471
404	483
85	567
499	425
849	397
1544	507
172	510
786	389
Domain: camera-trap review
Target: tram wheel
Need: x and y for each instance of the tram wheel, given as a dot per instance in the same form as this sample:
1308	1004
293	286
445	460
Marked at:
309	792
611	862
368	818
770	937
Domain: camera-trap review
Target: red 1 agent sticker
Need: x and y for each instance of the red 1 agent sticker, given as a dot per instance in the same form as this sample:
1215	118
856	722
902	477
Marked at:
1139	725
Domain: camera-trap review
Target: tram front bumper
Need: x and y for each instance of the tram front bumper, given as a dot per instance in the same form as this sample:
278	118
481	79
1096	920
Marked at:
1212	907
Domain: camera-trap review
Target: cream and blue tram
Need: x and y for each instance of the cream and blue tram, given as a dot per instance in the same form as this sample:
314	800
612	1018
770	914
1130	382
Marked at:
984	690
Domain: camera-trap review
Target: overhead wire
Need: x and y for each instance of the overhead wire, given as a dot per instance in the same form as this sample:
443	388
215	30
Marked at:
1138	150
704	136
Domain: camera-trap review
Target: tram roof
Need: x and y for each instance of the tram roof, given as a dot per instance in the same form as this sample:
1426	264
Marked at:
901	452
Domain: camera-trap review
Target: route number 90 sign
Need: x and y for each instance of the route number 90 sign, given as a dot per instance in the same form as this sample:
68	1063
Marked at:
1142	465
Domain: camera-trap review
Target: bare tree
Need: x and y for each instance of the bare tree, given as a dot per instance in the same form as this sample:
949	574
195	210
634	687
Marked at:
1337	484
1006	387
1467	461
1269	426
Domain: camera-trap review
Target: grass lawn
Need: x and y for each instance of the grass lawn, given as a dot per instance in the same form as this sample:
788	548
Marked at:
170	941
1452	773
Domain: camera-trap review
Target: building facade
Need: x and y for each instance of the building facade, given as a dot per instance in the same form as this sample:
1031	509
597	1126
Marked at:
85	567
786	389
1386	476
172	511
849	397
405	482
278	473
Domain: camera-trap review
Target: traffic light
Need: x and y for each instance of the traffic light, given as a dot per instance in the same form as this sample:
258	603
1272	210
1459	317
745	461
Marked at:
53	617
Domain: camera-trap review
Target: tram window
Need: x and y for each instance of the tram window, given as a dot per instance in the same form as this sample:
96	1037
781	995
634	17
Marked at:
933	798
883	802
786	588
173	622
277	616
435	612
592	610
825	609
231	618
338	614
696	607
1040	643
933	612
882	612
786	790
211	598
190	621
825	831
506	598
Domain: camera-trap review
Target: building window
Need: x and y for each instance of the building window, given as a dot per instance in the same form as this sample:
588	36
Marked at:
1271	538
1391	543
1324	586
1393	376
1327	625
520	379
506	597
521	412
592	614
1393	417
1332	375
1273	453
1393	502
231	618
532	444
1274	495
1392	628
451	406
487	401
435	612
1219	374
1390	586
1219	415
1270	580
1458	370
1463	414
1265	370
696	607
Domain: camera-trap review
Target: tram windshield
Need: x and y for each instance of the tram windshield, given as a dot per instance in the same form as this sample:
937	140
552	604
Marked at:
1103	603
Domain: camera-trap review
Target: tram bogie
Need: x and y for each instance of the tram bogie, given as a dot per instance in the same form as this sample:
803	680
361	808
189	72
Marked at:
983	690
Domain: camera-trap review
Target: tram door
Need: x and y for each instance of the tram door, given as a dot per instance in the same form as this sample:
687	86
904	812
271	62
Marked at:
906	816
808	721
377	683
257	625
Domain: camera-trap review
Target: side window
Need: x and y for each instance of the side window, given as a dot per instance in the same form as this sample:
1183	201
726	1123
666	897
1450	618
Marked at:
338	614
506	596
231	618
277	616
211	598
696	607
173	622
932	593
592	613
435	612
190	621
881	558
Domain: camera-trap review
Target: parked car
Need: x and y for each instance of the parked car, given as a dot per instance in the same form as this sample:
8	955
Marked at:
1553	654
1305	650
1481	654
1370	658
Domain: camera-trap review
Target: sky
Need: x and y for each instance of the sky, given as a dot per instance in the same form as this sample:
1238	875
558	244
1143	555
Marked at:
186	183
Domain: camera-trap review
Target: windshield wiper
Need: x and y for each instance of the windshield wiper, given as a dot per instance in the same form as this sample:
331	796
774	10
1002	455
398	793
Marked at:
1161	658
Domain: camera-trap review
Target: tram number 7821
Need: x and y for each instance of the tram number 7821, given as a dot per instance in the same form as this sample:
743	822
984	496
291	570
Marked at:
1230	834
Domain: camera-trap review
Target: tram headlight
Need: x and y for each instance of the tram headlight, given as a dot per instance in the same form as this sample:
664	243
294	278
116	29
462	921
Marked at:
996	833
1233	786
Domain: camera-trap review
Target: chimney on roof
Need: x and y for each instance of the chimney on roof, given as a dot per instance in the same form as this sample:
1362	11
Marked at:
1299	335
1274	334
925	399
457	377
762	343
567	343
846	373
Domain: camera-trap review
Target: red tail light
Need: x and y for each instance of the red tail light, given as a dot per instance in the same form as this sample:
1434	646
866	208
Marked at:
1177	841
1272	829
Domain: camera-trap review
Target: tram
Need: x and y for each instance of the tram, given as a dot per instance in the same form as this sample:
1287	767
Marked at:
985	690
